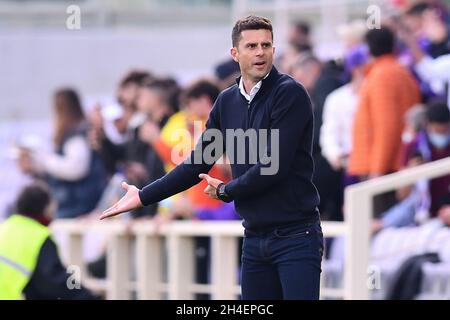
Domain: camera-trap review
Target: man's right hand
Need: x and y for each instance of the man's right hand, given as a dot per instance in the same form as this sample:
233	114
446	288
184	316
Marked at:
129	201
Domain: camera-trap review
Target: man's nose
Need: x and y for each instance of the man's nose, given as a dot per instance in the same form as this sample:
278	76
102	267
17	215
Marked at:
259	51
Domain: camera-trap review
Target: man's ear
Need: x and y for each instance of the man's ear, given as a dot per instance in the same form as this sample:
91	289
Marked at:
234	54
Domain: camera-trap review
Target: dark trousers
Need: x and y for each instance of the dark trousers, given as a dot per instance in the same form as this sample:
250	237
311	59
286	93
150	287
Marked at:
282	264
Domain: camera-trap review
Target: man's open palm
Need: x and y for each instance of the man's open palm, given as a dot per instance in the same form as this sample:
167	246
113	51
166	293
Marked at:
129	201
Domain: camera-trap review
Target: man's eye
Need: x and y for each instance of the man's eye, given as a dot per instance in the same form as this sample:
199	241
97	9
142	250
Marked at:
252	46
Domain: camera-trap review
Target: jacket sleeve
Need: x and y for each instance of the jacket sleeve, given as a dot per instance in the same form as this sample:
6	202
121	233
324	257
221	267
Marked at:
291	114
50	279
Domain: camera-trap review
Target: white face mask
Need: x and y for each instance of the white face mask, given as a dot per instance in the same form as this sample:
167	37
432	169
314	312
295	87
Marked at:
407	137
438	140
137	120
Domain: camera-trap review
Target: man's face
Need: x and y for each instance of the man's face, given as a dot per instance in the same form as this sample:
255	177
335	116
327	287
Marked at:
254	53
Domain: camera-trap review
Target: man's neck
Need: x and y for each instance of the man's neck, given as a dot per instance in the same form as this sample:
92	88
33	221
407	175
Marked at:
249	84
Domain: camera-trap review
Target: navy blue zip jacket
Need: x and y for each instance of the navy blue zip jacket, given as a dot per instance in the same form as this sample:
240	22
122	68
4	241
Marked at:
265	201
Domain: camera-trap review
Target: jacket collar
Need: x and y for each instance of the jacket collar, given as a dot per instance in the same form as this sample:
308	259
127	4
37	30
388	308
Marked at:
266	83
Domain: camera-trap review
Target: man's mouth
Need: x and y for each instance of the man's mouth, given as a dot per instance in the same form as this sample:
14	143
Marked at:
260	64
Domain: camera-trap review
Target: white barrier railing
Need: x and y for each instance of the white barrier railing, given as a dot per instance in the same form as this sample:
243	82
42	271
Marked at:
174	243
358	212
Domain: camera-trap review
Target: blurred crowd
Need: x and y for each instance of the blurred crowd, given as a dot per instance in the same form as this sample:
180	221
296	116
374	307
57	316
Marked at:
381	107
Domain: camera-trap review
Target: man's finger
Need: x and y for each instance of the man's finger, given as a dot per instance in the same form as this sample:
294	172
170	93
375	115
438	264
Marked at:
107	215
206	177
110	211
208	189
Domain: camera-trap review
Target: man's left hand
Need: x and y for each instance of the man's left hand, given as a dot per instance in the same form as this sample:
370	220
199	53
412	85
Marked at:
213	183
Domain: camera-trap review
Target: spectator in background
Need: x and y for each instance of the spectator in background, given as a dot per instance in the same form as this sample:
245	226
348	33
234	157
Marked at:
434	144
435	72
176	140
30	266
226	73
339	111
427	41
425	22
413	209
320	80
157	100
125	120
75	172
299	37
387	93
127	95
426	199
352	33
299	41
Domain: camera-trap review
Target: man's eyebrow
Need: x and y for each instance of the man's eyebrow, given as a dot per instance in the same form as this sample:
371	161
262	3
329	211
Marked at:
256	43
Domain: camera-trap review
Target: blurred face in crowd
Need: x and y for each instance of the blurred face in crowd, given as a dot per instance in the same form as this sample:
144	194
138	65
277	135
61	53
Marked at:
298	38
439	134
254	53
199	107
413	22
307	74
149	102
127	95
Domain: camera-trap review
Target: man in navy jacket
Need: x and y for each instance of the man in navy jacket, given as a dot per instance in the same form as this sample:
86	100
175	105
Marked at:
264	123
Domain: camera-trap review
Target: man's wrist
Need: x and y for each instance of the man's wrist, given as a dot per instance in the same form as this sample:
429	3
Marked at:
221	193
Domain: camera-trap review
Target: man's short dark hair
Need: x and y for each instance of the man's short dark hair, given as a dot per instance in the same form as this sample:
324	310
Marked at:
136	77
438	112
380	41
249	23
202	88
33	200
